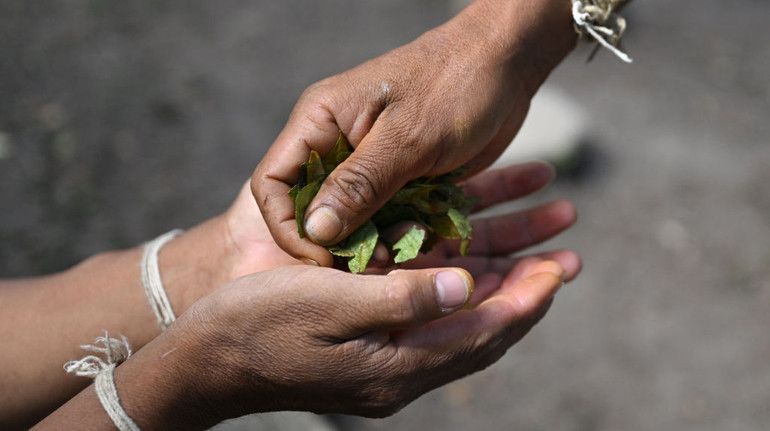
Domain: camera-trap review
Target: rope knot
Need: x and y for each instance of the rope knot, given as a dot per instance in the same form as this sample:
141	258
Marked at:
115	351
599	19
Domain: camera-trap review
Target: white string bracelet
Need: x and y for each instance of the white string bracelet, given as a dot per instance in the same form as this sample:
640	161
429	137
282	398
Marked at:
116	352
598	18
151	280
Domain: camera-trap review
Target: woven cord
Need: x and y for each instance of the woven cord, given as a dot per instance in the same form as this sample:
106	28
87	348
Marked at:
102	371
153	285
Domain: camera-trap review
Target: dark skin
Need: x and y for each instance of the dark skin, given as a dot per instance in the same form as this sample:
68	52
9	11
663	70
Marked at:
353	344
456	96
227	247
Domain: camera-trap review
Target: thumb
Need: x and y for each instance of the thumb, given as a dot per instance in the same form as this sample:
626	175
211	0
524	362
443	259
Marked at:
359	186
407	298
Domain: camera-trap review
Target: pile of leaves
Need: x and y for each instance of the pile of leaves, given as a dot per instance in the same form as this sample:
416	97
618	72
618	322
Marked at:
435	203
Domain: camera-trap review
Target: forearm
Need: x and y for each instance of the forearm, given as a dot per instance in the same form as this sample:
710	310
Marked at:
157	390
45	319
530	36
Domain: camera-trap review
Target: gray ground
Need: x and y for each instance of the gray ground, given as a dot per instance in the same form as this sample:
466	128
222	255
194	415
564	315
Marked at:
121	120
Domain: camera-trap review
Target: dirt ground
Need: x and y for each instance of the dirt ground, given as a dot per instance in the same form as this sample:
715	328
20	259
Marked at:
122	120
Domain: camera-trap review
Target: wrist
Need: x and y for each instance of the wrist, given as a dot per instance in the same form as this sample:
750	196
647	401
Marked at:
193	376
530	37
195	263
164	386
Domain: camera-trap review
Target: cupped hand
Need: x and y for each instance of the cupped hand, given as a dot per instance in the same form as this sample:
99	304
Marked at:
238	242
321	340
308	338
494	238
454	97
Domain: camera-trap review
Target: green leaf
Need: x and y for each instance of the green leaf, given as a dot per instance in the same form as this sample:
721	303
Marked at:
314	167
304	197
443	226
464	246
362	243
338	154
411	191
341	252
464	228
391	214
436	203
294	192
463	225
409	245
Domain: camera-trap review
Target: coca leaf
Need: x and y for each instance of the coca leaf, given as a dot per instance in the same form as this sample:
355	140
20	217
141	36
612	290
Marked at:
301	202
409	245
436	203
362	243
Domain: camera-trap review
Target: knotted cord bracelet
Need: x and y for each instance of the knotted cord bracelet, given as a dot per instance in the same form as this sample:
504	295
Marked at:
153	285
599	20
117	351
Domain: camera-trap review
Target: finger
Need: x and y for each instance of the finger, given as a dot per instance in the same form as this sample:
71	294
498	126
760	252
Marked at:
402	299
532	295
381	164
475	265
486	285
568	259
528	299
381	255
494	325
516	269
508	271
278	172
480	266
510	233
496	186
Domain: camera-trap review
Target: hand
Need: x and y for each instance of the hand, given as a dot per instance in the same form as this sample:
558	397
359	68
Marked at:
247	245
390	345
321	340
455	96
251	248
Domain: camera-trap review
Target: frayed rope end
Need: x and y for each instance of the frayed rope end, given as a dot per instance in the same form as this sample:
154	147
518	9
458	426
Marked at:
116	351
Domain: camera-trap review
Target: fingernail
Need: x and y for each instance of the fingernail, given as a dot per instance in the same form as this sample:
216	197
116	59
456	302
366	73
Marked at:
309	261
323	225
453	289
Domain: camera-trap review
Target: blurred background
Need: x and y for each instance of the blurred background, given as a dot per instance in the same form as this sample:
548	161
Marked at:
122	120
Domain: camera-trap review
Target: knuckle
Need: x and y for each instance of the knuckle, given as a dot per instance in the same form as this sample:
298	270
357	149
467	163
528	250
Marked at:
402	295
317	89
357	186
317	94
